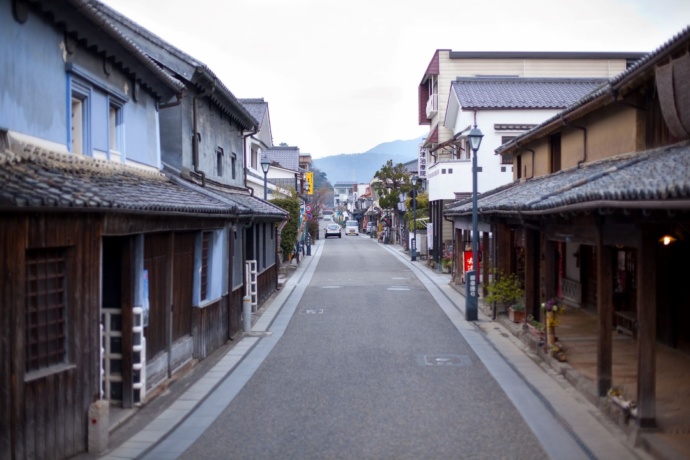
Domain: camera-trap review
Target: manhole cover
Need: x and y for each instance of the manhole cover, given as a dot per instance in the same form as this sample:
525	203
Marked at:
444	360
398	288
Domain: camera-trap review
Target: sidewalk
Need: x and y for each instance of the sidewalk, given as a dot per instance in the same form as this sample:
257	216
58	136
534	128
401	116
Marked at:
577	332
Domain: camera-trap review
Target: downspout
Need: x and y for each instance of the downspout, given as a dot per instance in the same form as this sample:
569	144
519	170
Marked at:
244	147
584	140
195	141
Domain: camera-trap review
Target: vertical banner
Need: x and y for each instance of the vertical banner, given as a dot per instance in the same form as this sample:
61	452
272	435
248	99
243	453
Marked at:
469	262
310	182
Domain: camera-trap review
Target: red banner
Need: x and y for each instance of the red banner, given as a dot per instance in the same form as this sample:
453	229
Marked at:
468	262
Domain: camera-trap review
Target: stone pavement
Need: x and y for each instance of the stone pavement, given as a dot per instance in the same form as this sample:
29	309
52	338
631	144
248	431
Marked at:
141	429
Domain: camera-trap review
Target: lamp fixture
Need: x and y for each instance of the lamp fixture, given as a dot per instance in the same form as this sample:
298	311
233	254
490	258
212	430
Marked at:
667	239
475	137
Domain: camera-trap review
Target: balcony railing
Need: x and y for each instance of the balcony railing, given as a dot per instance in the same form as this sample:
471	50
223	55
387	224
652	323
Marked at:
432	106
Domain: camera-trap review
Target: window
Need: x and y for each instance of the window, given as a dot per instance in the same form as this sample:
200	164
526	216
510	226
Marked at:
210	266
519	166
219	161
45	308
506	159
555	141
77	131
115	131
205	258
96	116
233	164
255	157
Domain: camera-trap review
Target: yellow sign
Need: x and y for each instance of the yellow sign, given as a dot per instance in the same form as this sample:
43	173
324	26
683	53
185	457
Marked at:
310	183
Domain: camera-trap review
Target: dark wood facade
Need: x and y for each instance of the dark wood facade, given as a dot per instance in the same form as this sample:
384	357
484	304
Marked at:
44	408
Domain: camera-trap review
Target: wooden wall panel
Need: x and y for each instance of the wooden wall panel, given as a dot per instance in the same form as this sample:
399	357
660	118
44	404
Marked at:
51	410
183	282
156	262
210	328
235	311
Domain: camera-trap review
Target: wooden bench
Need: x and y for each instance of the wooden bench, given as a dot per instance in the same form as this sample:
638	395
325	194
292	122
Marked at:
626	323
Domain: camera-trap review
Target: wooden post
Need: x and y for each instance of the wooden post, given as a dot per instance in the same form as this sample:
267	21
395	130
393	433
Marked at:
550	270
605	316
531	270
646	337
485	268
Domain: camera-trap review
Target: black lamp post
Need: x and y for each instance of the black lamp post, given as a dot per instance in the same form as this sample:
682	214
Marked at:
265	165
413	246
472	298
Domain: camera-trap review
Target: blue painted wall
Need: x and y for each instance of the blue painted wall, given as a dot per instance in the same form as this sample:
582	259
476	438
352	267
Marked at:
35	92
33	97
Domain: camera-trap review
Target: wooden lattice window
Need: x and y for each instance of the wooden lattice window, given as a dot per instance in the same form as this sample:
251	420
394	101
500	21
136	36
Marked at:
45	308
205	259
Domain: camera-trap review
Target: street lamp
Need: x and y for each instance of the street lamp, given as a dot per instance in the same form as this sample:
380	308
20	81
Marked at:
472	302
413	246
265	165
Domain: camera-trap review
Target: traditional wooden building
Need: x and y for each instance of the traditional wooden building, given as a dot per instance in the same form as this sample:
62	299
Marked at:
117	269
598	215
203	141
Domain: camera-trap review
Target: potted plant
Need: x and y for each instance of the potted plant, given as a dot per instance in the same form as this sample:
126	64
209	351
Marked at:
446	263
506	290
516	312
535	328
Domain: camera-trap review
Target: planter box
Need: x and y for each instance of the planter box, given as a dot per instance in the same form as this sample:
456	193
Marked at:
516	316
537	333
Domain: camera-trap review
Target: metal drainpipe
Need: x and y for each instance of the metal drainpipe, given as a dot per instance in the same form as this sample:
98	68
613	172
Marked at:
244	150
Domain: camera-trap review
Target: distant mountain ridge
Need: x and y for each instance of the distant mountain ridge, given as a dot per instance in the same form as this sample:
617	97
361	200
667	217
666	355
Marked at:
361	167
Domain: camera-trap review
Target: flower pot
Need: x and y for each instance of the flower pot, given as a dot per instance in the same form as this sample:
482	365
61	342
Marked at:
516	316
537	333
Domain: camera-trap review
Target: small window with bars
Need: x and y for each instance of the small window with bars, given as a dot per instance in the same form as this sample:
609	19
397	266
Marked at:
219	161
205	260
45	308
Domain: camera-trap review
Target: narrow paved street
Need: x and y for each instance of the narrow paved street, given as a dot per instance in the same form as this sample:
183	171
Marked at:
363	354
369	367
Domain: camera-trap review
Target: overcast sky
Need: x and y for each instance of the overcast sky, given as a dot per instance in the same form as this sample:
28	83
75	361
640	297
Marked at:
342	76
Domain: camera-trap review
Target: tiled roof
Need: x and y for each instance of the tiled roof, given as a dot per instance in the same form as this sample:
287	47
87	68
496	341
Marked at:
651	179
643	68
240	198
287	157
259	206
521	93
201	73
69	18
257	108
32	177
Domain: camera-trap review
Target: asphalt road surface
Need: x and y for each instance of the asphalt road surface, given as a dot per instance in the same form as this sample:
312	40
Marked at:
369	366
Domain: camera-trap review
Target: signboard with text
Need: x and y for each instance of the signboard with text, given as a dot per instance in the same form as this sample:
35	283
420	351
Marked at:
468	262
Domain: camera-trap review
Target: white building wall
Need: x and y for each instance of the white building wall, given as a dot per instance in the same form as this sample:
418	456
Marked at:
448	177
